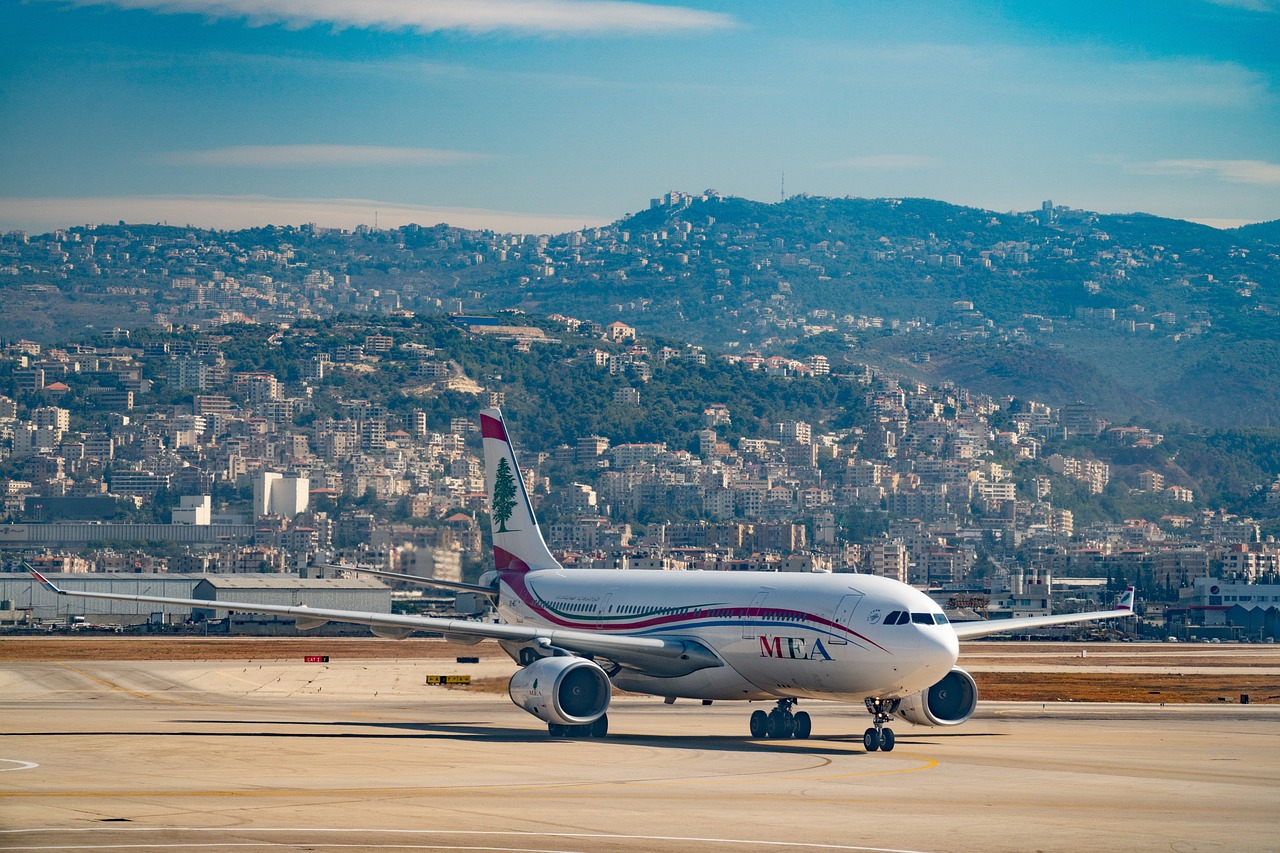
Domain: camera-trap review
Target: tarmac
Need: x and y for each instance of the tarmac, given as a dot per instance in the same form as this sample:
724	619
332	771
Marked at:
363	755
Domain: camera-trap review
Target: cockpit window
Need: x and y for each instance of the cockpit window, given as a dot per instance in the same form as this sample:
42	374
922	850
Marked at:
922	618
939	619
895	617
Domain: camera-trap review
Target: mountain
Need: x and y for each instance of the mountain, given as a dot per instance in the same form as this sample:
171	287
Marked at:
1142	316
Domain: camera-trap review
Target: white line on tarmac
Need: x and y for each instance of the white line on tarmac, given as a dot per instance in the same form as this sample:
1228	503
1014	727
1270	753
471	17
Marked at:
583	836
22	765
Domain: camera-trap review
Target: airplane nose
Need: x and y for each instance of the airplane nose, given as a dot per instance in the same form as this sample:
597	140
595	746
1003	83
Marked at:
939	648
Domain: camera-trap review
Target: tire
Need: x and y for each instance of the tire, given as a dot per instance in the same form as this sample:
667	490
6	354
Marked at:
555	730
804	726
759	724
788	725
887	740
777	724
600	727
871	740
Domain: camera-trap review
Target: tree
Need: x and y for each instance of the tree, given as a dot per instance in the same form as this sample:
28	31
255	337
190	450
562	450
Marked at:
504	494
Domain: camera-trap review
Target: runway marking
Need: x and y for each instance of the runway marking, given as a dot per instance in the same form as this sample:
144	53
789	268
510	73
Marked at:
22	765
584	836
927	764
106	683
838	801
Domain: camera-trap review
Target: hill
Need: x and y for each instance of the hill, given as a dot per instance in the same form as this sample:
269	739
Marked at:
1142	316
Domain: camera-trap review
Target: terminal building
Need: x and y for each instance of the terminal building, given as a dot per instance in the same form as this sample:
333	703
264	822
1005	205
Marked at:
25	603
1229	610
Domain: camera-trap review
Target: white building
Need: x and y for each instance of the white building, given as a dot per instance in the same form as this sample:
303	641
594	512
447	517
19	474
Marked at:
193	509
278	494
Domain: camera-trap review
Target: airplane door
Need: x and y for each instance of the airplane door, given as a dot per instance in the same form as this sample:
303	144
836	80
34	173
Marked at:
752	618
603	607
844	612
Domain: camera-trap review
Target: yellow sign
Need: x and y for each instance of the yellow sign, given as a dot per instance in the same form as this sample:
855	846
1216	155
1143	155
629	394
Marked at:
448	679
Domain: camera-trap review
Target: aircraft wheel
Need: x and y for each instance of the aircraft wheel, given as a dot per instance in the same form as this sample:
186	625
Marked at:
788	725
556	730
600	727
804	725
887	740
759	724
871	740
777	724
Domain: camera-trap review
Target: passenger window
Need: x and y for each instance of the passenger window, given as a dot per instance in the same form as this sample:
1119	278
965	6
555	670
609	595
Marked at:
922	618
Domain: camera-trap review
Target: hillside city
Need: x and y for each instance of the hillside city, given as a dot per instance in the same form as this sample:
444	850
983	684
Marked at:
270	401
1041	304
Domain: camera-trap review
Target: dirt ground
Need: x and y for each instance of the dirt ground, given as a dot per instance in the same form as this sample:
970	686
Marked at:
91	646
1031	672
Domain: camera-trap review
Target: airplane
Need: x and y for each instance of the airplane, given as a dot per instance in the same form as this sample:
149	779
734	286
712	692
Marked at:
579	633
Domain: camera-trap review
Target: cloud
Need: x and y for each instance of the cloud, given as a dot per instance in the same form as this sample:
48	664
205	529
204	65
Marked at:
232	212
1079	75
1257	172
1250	5
531	17
887	161
302	156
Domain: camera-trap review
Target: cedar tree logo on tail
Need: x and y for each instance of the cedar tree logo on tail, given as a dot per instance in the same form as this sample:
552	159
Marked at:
504	495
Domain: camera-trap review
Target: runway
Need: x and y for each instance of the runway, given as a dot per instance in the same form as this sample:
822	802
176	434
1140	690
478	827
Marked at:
361	755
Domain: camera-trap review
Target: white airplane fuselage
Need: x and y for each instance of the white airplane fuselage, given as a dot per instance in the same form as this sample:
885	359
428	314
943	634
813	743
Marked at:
816	636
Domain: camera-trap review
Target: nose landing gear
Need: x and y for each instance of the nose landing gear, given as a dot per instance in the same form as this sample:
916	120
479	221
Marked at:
879	737
781	723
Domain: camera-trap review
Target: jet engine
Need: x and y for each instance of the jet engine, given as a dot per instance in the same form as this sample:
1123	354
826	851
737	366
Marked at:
565	691
948	703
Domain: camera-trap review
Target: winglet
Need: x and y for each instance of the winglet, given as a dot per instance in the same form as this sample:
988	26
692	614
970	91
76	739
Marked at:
1126	600
44	581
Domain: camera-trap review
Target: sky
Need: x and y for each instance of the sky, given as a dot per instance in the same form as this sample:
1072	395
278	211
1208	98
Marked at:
544	116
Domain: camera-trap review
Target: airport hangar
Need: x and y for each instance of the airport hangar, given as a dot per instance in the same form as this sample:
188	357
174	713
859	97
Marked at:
25	602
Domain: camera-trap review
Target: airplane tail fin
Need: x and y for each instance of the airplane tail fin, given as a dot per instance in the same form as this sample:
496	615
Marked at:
517	541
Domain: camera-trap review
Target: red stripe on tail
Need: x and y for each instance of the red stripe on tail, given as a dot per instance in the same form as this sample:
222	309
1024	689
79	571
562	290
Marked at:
505	561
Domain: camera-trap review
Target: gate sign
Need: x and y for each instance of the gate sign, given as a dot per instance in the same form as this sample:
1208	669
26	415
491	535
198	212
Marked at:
316	659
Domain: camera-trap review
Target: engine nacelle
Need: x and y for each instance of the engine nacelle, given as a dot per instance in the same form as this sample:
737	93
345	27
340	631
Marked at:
948	703
568	691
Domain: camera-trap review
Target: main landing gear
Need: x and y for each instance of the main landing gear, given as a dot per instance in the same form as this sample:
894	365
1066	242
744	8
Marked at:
879	737
781	723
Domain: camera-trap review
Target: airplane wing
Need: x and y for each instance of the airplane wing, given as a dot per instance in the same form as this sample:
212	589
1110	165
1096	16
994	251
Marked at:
659	656
456	585
973	630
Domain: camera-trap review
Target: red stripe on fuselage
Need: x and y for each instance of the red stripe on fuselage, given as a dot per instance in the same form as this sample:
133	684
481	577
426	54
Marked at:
516	580
492	428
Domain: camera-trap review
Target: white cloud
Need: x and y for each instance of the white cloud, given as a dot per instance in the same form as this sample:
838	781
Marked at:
1250	5
1257	172
1077	75
292	156
536	17
231	212
887	161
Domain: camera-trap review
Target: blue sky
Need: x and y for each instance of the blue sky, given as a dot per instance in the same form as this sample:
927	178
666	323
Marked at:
546	115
